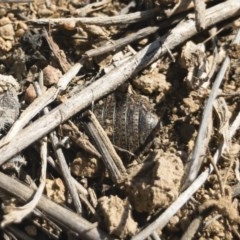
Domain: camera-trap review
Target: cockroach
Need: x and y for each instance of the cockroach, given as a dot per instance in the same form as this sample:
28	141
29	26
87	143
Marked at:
128	120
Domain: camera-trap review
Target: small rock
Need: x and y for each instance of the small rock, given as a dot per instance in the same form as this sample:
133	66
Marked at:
7	32
160	187
55	190
152	82
4	21
85	167
51	75
31	230
117	216
30	94
5	45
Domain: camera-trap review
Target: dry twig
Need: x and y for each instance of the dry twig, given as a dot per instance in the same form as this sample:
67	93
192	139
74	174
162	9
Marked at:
57	52
101	21
66	172
192	229
122	42
200	10
111	160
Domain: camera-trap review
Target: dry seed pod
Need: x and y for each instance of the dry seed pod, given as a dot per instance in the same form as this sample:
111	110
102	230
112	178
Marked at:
127	119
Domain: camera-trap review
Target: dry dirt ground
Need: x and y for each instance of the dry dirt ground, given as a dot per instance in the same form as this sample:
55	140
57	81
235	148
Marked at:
173	89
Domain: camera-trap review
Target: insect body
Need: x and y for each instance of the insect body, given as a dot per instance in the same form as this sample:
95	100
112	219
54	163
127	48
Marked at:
127	119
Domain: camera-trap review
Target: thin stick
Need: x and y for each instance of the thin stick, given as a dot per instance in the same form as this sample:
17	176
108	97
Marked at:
192	228
237	170
155	236
65	172
122	42
114	79
101	21
57	52
111	160
221	183
55	212
200	10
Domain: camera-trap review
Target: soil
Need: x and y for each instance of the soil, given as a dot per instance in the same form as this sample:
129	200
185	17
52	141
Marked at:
174	89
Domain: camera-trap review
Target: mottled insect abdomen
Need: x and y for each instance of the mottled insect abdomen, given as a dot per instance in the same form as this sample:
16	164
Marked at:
127	120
